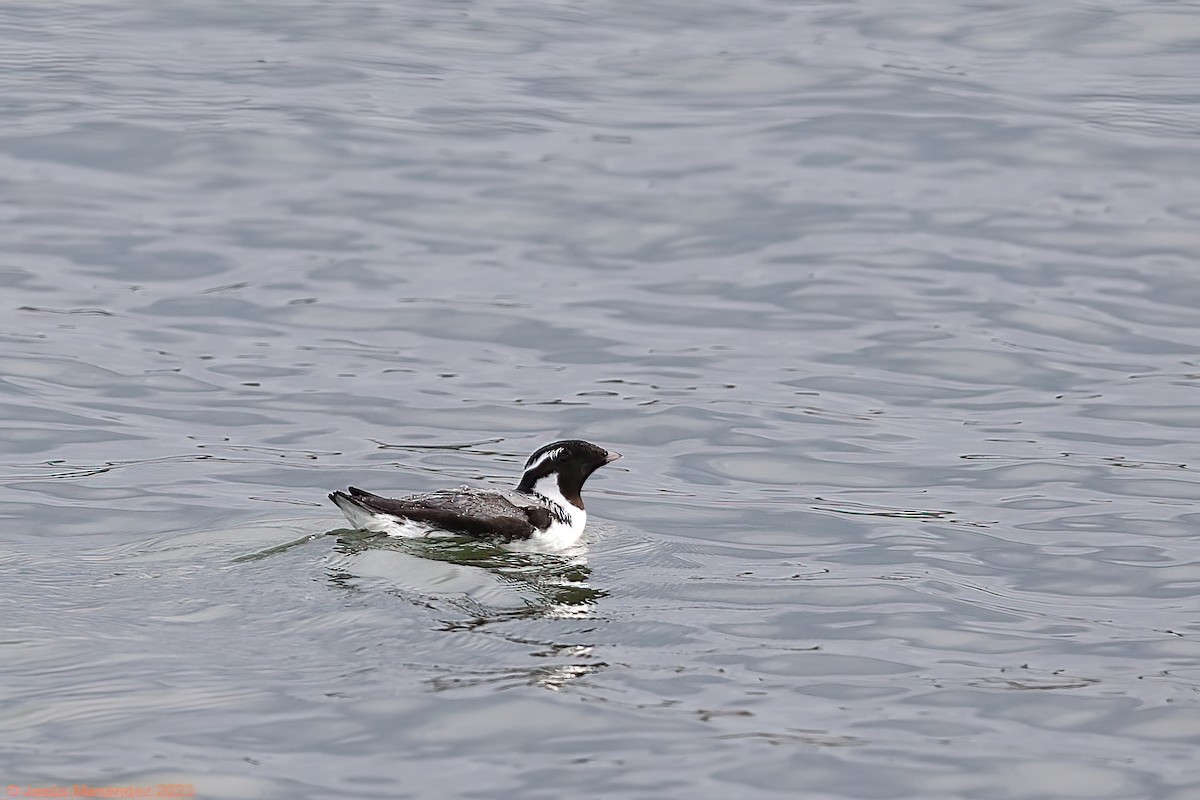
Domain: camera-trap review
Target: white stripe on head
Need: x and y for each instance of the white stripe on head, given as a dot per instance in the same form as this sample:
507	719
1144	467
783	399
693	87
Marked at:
544	457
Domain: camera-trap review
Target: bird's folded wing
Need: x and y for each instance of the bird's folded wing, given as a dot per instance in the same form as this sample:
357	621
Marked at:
489	517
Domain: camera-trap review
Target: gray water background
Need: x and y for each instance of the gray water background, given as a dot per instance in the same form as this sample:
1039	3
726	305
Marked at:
893	308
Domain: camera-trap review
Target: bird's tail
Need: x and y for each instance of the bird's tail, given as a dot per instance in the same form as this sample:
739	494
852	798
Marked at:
358	514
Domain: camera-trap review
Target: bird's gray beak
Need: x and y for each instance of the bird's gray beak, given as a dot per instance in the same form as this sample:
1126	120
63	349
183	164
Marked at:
611	457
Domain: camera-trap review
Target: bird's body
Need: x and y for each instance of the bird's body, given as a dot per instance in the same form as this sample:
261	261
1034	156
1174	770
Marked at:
545	509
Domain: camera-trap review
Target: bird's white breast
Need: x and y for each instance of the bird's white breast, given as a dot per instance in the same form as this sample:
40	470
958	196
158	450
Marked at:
560	535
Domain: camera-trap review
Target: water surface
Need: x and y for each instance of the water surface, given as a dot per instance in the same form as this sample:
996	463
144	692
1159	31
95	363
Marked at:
890	306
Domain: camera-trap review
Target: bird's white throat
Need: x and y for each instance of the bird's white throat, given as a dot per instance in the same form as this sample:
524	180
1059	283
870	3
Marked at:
566	519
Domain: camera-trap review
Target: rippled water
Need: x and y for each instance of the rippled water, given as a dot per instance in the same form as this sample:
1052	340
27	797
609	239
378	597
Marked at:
892	308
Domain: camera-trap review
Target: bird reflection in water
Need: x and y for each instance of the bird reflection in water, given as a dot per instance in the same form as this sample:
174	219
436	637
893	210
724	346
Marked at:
550	586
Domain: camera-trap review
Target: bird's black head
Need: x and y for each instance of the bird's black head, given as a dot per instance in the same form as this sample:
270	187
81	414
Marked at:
570	461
